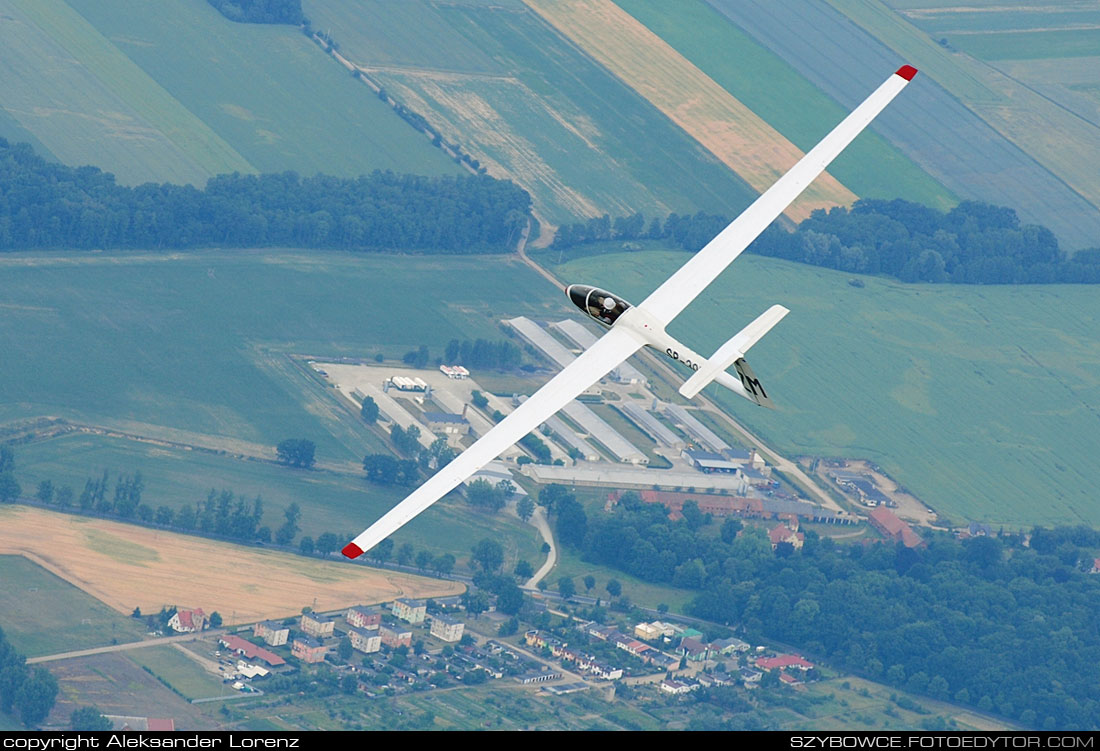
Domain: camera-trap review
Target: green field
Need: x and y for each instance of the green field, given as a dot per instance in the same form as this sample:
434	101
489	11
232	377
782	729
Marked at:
330	502
202	361
529	105
779	94
42	614
196	343
88	103
983	401
180	672
174	91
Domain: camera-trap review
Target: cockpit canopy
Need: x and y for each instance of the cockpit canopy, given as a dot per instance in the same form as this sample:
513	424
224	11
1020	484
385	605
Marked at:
597	303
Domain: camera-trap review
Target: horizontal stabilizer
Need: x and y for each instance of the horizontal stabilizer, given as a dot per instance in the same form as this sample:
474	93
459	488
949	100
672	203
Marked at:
734	350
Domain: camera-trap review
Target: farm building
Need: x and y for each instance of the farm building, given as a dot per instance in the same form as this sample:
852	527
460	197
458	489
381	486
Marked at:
697	430
247	649
657	430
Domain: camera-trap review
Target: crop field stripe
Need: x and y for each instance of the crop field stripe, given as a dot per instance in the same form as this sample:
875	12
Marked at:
245	584
1062	142
784	98
725	126
1029	44
549	117
934	123
270	92
138	90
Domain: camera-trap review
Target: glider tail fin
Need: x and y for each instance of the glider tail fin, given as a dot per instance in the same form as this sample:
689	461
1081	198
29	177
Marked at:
733	353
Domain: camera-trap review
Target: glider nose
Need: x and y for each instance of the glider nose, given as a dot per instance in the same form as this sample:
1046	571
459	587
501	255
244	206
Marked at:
578	293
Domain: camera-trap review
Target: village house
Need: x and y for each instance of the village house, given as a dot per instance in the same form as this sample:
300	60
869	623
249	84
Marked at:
782	533
410	611
188	621
365	640
694	649
783	662
447	629
307	649
273	633
395	637
317	625
362	617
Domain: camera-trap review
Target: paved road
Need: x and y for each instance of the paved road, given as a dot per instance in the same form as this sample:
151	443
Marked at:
129	645
539	520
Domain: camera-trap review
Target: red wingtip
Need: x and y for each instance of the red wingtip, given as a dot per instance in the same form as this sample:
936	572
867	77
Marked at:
353	551
907	72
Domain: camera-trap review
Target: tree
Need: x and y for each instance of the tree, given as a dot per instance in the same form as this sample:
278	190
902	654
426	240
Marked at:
423	559
479	399
525	508
509	598
88	719
215	619
475	602
369	410
9	488
614	588
64	496
404	554
349	684
443	564
296	452
327	543
550	494
344	649
7	459
44	492
589	582
523	570
572	521
289	530
35	697
382	551
566	587
305	545
489	554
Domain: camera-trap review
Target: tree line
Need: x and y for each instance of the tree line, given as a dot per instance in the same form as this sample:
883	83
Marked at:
261	11
973	243
49	205
29	694
482	353
985	622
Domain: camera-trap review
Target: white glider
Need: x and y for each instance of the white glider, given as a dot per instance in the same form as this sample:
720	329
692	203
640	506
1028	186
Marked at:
632	327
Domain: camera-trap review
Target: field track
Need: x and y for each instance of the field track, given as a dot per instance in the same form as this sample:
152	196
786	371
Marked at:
125	566
757	152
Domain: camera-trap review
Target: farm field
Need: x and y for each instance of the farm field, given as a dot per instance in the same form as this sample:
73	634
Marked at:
39	598
543	114
686	95
941	121
87	102
118	686
203	356
979	400
335	502
1063	143
180	672
125	566
784	98
173	91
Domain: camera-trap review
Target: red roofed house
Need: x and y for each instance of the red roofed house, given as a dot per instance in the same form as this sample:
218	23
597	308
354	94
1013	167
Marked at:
783	533
783	661
887	522
188	621
250	650
1095	566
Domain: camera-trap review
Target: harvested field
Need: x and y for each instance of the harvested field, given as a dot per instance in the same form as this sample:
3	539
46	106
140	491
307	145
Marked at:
757	152
126	566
